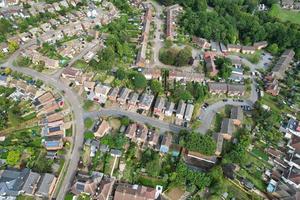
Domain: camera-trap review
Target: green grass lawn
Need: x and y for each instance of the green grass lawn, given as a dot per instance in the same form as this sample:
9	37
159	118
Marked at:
259	153
285	15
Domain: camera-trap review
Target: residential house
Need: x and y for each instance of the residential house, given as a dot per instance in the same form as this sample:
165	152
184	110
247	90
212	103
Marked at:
169	109
31	183
159	106
260	45
271	85
210	66
153	138
101	92
292	177
141	134
89	86
4	47
12	181
145	101
283	64
227	128
201	42
133	99
234	48
141	56
113	94
236	89
102	129
217	88
219	141
223	48
172	12
287	4
53	143
248	49
123	96
152	73
131	131
236	114
43	99
166	142
71	73
180	110
46	186
125	191
46	27
189	112
116	153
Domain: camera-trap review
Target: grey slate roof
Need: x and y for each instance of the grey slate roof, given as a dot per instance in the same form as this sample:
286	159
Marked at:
45	185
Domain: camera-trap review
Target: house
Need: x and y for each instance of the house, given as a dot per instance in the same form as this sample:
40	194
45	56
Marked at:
12	182
236	89
219	141
248	49
272	87
43	99
172	12
123	96
116	153
3	81
4	47
31	183
141	134
101	92
260	45
210	66
189	112
25	37
152	73
201	42
153	138
46	186
133	99
105	188
89	86
227	128
292	177
87	184
145	101
180	109
234	48
223	48
102	129
159	106
53	143
169	109
131	131
46	27
283	64
236	114
217	88
213	45
166	142
125	191
288	4
71	73
113	94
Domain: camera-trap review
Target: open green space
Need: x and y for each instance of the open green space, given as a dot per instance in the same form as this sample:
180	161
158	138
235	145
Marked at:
284	14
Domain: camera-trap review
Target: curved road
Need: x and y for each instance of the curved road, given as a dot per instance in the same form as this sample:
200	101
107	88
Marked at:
75	106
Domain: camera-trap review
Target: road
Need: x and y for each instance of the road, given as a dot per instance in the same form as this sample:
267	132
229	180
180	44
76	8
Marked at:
117	112
73	156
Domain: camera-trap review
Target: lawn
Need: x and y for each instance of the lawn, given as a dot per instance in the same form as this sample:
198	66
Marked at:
260	154
285	15
88	123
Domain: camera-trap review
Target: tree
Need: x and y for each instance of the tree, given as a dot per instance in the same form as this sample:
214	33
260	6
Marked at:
198	142
139	81
183	57
42	165
12	46
125	121
121	74
156	86
13	158
224	67
7	71
273	49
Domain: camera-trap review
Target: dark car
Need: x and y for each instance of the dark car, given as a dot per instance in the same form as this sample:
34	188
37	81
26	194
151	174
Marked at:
225	100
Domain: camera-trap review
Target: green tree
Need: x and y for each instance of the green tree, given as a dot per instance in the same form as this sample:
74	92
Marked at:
121	73
139	81
273	49
156	86
12	46
183	57
13	158
224	66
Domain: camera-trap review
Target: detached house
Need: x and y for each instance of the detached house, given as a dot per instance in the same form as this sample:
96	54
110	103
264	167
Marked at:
159	106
